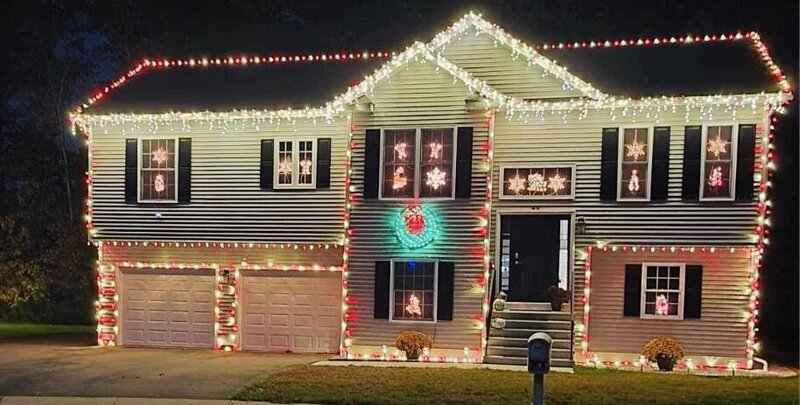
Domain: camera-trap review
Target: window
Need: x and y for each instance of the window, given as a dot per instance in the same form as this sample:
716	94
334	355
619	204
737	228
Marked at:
418	163
717	180
634	170
414	290
543	182
157	170
295	164
663	290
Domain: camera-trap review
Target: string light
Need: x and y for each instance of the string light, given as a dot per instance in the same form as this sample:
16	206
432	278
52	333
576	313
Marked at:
227	297
349	195
485	223
223	245
241	266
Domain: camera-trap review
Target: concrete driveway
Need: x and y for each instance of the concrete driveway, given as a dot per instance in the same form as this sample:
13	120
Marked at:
71	366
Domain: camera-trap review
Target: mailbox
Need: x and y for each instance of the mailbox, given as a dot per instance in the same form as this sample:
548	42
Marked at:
539	349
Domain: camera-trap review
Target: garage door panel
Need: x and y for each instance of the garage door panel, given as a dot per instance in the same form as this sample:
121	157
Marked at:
298	321
167	309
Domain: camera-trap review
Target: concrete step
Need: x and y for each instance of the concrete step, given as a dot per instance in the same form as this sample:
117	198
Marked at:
534	325
523	342
528	306
556	353
526	333
522	361
533	315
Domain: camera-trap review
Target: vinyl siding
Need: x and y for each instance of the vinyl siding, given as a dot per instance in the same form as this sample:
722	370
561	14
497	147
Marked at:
720	331
227	203
418	96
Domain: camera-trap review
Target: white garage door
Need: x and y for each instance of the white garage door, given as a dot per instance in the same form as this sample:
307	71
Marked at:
167	308
299	312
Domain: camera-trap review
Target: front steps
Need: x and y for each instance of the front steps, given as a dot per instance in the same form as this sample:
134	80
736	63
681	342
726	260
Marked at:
509	345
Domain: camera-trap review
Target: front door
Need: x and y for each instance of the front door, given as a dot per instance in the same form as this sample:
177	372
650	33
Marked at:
534	255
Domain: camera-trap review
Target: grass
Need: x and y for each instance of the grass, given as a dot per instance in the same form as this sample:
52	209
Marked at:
395	385
27	330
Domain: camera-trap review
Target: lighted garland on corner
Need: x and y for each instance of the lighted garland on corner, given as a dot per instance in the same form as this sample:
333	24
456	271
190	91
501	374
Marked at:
416	226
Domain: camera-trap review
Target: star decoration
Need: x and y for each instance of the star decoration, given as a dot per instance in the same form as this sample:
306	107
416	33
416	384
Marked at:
436	178
305	167
159	156
516	184
717	146
556	183
399	179
436	150
635	149
537	183
400	149
285	166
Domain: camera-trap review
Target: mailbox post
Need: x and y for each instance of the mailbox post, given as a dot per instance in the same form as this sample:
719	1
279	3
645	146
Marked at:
539	350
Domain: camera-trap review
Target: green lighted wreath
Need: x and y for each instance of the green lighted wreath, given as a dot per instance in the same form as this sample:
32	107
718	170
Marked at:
416	226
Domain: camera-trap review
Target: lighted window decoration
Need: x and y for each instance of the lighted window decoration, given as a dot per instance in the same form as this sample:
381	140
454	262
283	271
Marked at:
294	163
542	182
416	226
413	290
436	162
634	164
399	167
718	162
158	170
663	290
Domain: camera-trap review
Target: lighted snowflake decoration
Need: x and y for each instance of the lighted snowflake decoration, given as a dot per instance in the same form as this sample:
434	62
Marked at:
305	167
159	184
717	146
159	156
400	150
436	150
556	183
662	305
285	166
537	183
436	178
413	306
633	182
635	149
399	179
715	178
516	184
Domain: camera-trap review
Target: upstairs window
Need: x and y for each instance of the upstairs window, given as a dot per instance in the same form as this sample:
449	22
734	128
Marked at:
418	163
634	164
717	164
295	160
157	170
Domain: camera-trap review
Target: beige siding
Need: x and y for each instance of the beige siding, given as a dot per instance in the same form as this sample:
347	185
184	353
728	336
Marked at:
418	96
722	329
227	203
508	73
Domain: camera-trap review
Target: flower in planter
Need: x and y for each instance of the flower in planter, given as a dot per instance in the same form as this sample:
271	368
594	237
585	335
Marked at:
664	351
413	343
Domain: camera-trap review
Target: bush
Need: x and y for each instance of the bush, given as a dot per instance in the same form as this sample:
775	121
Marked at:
412	342
665	351
557	297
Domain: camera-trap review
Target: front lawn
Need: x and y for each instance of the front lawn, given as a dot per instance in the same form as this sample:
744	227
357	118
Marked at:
27	330
395	385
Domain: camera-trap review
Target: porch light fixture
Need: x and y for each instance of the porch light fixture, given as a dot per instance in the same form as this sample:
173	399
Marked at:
580	226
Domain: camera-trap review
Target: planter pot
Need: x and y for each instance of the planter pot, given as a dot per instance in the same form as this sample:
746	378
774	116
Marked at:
412	356
664	363
556	306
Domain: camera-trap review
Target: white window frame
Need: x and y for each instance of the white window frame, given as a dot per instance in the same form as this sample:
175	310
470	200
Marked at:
139	145
620	153
295	185
681	292
417	164
734	158
435	291
505	196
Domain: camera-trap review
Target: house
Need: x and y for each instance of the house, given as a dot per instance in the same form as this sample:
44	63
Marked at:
460	169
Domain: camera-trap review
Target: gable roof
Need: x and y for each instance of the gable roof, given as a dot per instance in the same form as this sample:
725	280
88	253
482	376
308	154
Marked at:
248	90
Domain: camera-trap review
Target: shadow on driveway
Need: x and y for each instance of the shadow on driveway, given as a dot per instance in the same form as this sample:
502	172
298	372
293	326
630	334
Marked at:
71	365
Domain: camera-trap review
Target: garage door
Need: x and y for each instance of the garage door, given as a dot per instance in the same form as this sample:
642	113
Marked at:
167	308
299	312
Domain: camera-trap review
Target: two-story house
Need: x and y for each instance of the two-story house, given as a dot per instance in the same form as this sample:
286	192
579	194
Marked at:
464	169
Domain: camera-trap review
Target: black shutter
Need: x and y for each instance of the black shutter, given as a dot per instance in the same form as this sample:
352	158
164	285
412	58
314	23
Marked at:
382	274
660	175
131	166
267	164
324	163
633	290
691	162
745	160
444	303
693	291
372	161
184	170
608	165
464	163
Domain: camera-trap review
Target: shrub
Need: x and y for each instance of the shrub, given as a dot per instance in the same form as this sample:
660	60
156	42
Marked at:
557	297
665	351
412	342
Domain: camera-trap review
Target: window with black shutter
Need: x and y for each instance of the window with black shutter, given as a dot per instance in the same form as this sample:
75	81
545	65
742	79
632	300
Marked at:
660	175
633	290
690	190
382	281
323	163
608	164
131	168
718	155
267	164
745	162
184	170
464	163
444	295
372	163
